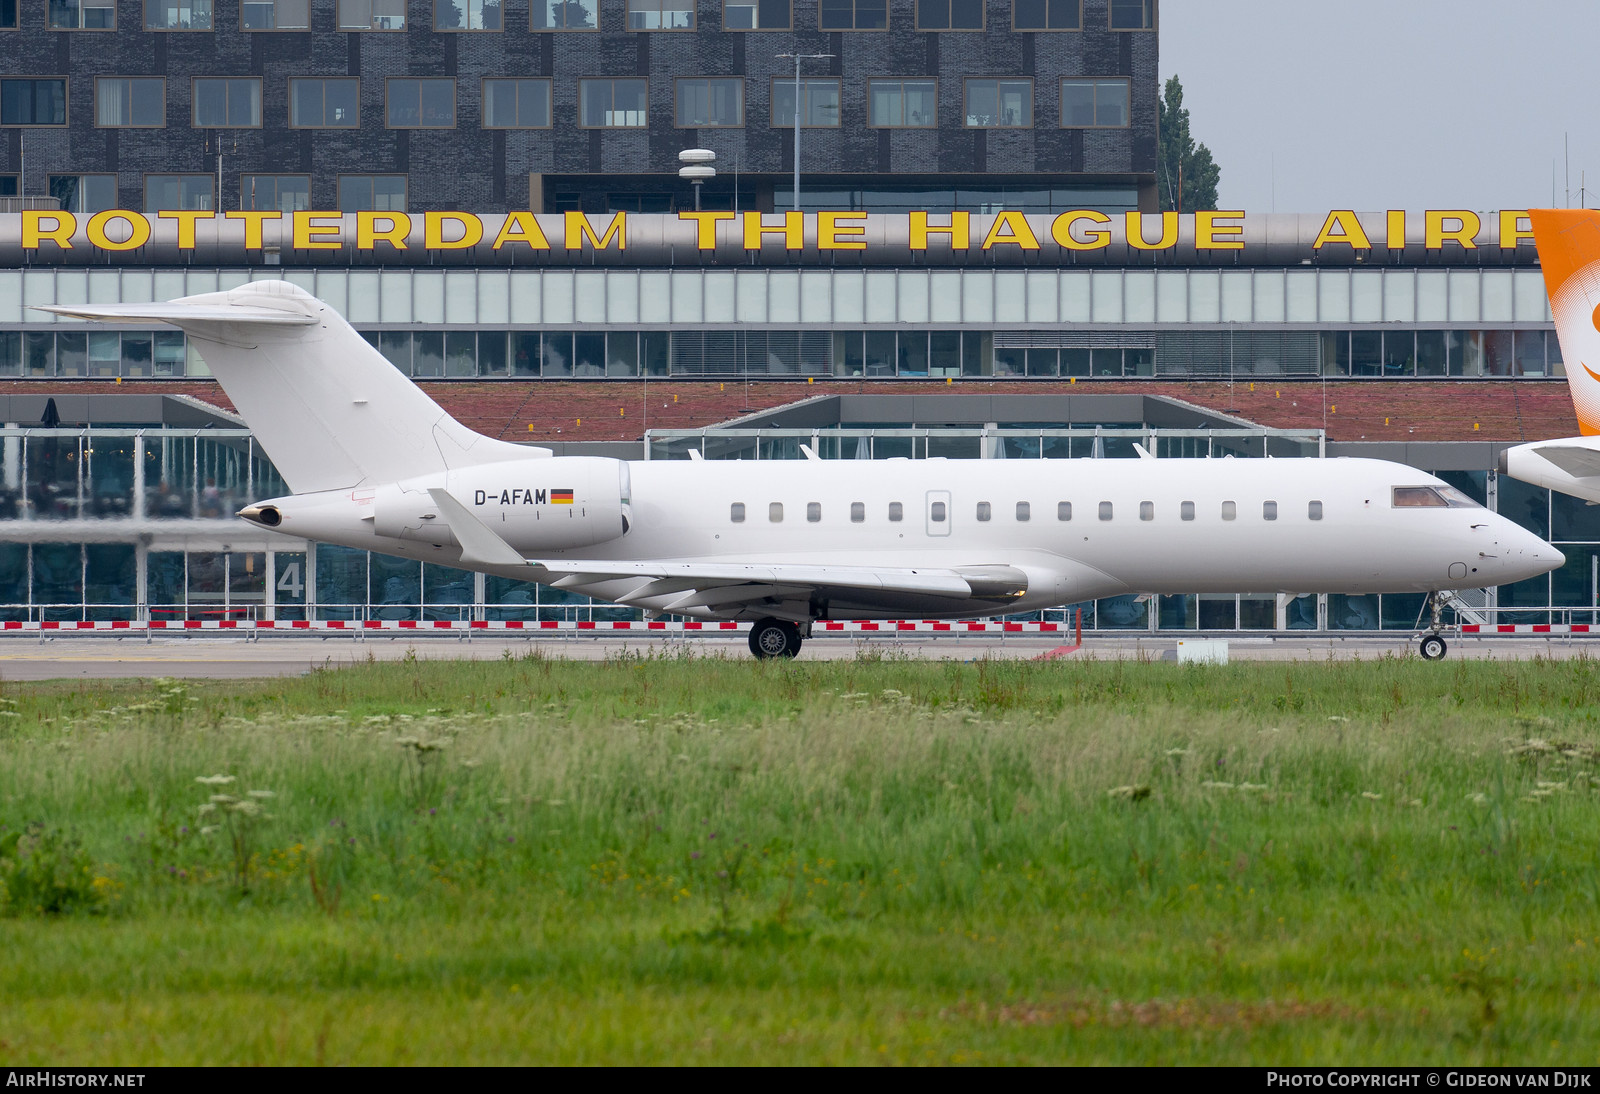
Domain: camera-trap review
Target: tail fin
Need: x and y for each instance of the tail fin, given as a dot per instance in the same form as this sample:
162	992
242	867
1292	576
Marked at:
1569	250
331	412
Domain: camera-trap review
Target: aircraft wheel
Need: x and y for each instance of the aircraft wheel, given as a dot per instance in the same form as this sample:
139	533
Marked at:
771	638
1433	647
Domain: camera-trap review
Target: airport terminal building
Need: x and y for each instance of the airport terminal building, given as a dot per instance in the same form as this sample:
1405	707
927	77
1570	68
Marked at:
490	193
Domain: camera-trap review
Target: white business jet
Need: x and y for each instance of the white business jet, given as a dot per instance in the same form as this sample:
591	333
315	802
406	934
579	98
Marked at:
376	464
1569	252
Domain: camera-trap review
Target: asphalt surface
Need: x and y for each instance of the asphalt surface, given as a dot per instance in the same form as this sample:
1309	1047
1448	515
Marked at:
228	657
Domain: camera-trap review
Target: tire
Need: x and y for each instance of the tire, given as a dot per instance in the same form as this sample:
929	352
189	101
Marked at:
771	638
1433	647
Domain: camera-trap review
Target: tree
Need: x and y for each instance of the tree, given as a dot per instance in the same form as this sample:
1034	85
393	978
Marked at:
1178	157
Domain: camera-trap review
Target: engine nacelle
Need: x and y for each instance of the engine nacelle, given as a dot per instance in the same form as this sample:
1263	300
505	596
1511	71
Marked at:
535	505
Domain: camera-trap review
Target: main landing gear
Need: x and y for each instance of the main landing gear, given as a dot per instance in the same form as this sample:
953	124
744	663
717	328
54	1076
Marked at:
771	638
1433	647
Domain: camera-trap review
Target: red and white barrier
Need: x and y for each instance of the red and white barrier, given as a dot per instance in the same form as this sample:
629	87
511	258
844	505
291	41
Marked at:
625	626
1529	628
545	626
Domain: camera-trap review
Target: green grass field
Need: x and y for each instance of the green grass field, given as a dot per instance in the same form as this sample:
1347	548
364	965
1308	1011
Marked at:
723	861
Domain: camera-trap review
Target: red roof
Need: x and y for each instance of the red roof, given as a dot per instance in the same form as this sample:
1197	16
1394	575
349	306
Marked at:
1351	410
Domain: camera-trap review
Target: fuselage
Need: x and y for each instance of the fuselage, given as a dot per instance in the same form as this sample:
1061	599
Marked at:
1078	529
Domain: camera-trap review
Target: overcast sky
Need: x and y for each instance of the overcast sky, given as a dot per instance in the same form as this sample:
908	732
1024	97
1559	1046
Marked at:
1390	104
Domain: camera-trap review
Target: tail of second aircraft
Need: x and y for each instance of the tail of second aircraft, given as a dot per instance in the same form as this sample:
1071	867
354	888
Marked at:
331	412
1569	251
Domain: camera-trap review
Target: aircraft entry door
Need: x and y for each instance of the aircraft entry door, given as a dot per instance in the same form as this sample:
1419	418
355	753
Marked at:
938	512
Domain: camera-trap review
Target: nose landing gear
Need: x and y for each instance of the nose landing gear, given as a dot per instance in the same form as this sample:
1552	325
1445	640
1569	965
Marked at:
1433	646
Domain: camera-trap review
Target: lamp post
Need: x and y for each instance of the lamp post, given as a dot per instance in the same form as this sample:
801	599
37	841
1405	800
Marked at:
697	169
797	58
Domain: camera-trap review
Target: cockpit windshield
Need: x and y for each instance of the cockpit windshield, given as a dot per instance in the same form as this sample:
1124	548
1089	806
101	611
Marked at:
1431	497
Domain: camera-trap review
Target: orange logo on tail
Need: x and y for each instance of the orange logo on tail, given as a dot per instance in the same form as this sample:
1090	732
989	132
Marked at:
1593	375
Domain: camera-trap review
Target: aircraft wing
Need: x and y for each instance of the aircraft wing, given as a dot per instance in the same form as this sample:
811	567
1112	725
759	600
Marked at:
722	588
1579	462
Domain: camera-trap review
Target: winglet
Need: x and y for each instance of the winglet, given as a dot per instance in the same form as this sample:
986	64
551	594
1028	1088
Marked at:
479	545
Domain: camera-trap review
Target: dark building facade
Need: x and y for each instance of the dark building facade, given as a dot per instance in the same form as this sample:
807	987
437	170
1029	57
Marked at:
418	105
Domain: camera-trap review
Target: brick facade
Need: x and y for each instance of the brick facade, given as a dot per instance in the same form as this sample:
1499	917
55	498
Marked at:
469	167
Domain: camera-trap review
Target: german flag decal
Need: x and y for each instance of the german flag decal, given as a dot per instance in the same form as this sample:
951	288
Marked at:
561	497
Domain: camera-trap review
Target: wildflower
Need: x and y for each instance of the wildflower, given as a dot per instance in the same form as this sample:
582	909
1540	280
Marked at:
1211	784
1337	718
1478	799
1252	786
1370	796
1132	793
214	780
1177	752
262	794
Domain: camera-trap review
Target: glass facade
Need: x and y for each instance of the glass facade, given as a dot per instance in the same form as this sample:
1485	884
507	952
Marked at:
121	524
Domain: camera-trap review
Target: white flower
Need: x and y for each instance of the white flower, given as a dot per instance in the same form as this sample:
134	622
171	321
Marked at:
214	780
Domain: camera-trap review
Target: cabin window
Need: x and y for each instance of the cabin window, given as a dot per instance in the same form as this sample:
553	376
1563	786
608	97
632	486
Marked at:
1024	511
1230	511
1186	511
775	512
1314	510
736	512
1269	510
897	511
1105	510
813	511
858	512
1063	510
1147	510
936	512
983	510
1418	497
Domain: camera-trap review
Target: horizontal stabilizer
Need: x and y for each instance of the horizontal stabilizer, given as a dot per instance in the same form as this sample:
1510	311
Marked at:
177	312
1579	462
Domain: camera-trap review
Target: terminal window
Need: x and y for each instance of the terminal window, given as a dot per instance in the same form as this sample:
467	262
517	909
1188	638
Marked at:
227	102
275	15
83	14
704	103
381	193
139	102
853	14
466	15
949	14
756	15
566	15
660	14
285	193
902	104
178	192
612	104
372	14
324	104
84	193
516	104
1094	104
819	103
1133	14
33	102
1047	14
177	14
421	104
999	104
